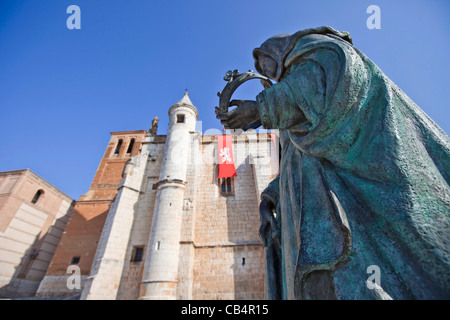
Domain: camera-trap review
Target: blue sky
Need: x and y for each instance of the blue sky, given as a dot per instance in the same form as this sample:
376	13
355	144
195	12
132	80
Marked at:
63	91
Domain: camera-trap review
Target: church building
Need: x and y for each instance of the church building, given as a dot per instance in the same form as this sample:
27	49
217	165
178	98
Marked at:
169	217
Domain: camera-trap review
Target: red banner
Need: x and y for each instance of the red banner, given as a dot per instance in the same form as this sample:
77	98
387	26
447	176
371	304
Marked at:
226	163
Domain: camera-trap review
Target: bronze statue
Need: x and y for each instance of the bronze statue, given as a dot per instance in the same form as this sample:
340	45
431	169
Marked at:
364	175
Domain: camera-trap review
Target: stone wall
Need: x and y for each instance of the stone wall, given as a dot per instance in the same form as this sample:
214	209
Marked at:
132	271
111	254
31	228
228	257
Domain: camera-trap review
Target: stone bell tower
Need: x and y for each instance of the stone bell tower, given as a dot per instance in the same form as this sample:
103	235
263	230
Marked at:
160	276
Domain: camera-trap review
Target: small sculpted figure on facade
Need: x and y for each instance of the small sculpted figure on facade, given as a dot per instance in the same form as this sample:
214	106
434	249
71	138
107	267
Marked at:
154	128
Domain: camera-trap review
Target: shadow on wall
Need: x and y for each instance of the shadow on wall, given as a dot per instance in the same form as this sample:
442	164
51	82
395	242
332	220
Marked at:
33	265
243	225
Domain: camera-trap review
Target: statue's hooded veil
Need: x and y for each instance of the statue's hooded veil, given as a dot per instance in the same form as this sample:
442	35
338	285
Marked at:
278	47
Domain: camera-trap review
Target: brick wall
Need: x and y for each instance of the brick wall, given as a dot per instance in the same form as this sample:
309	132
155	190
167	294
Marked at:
84	229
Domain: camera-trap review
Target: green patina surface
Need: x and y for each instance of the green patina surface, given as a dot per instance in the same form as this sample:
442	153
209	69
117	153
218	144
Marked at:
364	176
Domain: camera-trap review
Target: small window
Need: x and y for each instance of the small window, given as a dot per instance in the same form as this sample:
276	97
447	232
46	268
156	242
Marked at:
137	254
75	260
226	186
37	196
34	253
130	146
119	145
180	118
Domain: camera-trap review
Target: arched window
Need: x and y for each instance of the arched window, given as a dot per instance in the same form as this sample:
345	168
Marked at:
119	145
130	146
37	196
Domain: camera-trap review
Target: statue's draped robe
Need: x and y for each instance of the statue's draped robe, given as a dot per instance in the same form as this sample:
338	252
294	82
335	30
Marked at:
363	181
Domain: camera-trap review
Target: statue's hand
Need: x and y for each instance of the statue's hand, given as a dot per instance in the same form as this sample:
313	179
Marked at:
239	118
269	227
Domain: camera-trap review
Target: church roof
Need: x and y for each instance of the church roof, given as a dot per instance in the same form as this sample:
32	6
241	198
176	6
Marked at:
185	101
